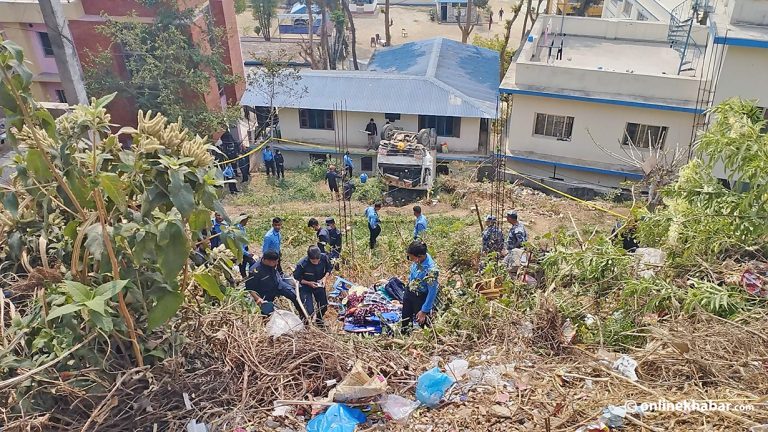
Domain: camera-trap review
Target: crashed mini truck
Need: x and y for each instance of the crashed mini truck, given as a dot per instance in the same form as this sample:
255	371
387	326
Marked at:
406	160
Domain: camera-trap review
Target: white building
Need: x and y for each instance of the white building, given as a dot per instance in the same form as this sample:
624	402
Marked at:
619	80
434	83
640	10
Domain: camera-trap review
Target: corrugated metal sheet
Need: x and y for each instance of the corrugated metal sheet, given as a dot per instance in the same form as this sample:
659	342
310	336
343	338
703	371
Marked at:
375	93
430	77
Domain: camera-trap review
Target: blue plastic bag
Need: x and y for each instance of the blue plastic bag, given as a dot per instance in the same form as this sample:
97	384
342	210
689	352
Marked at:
229	173
431	387
337	418
363	178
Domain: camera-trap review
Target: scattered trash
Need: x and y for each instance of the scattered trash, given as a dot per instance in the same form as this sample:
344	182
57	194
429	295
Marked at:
589	320
331	383
194	426
431	387
613	416
759	428
283	322
282	411
337	418
397	407
755	281
649	261
626	365
568	332
457	369
187	401
358	385
594	427
502	397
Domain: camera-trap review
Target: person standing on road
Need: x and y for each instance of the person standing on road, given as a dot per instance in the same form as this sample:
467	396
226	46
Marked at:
279	165
348	165
490	20
422	288
372	131
269	160
501	14
374	223
311	273
420	227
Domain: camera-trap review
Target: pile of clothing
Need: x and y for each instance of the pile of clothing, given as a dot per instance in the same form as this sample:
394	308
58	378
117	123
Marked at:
368	309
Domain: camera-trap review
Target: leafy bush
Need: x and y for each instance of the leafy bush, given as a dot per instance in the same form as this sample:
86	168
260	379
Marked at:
318	169
371	191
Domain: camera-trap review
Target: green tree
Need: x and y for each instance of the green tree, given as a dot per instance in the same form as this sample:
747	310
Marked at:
276	83
702	218
110	229
263	12
167	71
241	6
500	44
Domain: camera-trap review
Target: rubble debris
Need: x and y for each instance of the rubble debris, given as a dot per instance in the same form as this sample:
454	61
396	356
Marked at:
456	369
649	261
613	416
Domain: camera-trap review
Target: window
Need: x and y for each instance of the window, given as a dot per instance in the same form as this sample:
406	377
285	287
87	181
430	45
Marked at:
366	163
61	96
641	17
644	136
627	8
315	119
317	157
444	126
391	117
45	41
557	126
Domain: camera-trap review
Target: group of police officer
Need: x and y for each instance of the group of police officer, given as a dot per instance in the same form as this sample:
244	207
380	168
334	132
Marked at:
493	237
265	280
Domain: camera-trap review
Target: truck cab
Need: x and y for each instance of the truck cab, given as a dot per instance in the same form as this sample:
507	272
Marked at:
406	160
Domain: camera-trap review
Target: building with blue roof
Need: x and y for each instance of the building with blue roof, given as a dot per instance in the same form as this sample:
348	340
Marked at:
435	83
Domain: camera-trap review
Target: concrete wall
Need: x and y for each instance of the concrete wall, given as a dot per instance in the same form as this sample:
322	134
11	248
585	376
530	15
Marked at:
613	29
673	87
738	75
467	142
604	122
753	12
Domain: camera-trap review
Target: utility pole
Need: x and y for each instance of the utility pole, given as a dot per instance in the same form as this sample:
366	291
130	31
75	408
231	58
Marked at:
67	61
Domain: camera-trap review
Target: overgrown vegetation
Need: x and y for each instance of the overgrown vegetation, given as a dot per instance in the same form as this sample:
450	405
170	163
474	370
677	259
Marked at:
111	232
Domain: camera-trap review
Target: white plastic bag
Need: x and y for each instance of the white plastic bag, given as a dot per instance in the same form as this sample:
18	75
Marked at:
397	407
283	322
626	366
456	369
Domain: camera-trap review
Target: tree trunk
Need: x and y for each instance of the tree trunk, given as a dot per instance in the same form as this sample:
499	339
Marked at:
525	21
327	59
345	5
468	26
387	32
311	30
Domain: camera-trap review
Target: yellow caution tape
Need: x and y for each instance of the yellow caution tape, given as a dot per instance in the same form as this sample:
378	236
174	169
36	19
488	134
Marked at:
587	203
579	200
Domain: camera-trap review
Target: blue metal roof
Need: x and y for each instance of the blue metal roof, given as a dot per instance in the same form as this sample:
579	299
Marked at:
469	69
429	77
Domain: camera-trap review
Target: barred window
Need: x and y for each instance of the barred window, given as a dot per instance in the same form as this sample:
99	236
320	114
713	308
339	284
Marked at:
644	136
557	126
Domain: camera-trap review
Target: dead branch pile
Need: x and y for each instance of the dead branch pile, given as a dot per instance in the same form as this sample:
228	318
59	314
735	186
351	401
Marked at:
228	372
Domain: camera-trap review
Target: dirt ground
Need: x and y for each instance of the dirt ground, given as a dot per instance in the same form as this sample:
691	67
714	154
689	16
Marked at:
415	21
